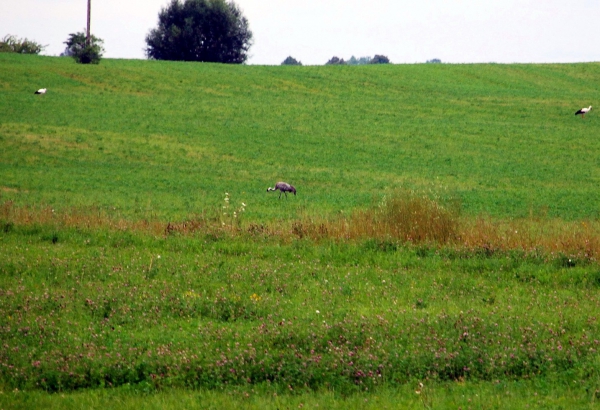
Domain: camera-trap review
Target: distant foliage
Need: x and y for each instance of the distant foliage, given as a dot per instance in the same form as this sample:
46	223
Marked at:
66	53
12	44
200	30
434	61
336	61
379	59
82	52
359	61
291	61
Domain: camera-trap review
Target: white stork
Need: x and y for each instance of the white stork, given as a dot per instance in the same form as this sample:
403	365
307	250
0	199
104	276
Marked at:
583	111
40	91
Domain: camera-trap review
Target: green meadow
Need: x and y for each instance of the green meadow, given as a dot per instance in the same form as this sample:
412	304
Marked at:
441	251
169	139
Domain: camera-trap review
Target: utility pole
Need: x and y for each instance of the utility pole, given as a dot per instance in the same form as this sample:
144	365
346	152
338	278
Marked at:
87	39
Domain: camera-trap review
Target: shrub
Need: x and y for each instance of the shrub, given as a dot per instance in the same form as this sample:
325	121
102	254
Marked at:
336	61
291	61
82	51
12	44
380	59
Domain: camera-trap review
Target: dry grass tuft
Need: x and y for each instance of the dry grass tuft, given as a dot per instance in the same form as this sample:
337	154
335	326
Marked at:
406	218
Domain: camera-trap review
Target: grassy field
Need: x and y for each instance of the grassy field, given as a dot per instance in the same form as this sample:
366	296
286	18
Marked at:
105	309
169	139
442	250
501	395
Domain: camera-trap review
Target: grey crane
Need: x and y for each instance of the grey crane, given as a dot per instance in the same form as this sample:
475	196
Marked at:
283	187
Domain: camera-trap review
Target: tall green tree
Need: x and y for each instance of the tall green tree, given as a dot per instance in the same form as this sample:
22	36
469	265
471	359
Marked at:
200	30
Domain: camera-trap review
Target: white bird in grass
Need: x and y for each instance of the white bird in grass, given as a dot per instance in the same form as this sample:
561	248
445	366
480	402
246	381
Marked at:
40	91
283	187
583	111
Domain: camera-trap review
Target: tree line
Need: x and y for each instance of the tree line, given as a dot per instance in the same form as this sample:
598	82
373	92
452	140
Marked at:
378	59
188	30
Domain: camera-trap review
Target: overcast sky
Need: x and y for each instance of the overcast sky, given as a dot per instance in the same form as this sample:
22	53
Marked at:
313	31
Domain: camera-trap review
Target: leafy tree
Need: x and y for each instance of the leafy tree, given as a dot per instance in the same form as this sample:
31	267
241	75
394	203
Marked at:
12	44
81	51
434	61
379	59
335	61
200	30
291	61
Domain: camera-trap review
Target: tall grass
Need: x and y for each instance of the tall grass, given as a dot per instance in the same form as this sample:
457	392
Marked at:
81	218
404	218
490	395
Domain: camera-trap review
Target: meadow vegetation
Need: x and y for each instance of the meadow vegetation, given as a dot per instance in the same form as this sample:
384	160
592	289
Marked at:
442	250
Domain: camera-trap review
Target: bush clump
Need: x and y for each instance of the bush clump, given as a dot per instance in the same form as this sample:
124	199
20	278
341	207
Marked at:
83	51
380	59
12	44
291	61
335	61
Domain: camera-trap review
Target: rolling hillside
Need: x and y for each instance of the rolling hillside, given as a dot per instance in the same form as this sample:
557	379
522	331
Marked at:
168	139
